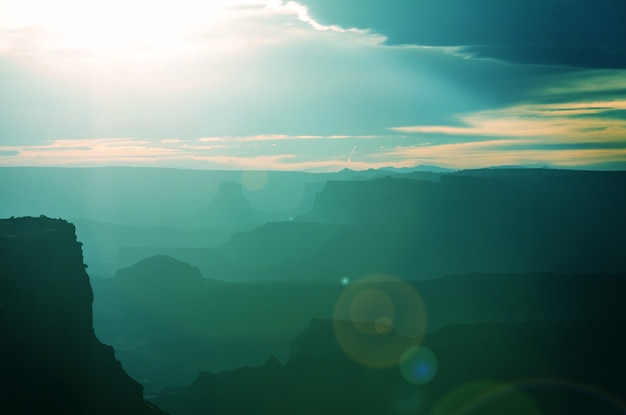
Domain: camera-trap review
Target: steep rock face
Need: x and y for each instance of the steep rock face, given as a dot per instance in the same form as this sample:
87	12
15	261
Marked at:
50	359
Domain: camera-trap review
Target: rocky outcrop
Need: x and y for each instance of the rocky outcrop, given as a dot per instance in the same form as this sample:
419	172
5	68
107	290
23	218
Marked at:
50	359
160	271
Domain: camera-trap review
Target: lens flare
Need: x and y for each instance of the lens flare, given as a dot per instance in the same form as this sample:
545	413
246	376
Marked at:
254	180
371	306
559	392
378	318
383	324
418	365
485	397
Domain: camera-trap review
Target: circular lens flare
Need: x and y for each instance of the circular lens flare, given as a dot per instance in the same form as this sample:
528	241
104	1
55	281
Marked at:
485	397
371	306
254	180
418	365
377	318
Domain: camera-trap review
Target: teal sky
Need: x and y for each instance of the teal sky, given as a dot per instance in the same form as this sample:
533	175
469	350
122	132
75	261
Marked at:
316	85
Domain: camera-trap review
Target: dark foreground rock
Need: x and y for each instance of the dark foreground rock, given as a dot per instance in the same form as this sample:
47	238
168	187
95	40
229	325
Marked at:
50	359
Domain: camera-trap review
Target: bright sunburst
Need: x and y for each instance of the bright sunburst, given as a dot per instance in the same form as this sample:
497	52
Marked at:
114	27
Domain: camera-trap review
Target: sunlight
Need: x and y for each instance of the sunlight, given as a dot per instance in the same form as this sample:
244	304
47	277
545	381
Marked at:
119	27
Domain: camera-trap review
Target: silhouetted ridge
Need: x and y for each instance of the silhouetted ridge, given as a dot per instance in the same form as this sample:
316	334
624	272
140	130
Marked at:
406	202
109	247
160	270
50	359
157	291
272	362
524	221
547	368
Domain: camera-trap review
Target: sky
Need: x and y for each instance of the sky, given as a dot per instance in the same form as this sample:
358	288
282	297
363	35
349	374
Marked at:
313	85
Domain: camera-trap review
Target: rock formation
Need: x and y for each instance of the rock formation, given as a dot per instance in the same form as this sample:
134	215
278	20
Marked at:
50	359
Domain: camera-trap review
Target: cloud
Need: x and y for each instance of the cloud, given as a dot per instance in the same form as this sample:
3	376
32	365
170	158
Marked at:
567	122
577	33
291	85
9	153
217	153
322	154
489	153
303	15
585	55
259	72
578	108
87	152
576	121
583	85
282	137
312	84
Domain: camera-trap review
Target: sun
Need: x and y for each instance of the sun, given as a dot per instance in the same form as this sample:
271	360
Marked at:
117	26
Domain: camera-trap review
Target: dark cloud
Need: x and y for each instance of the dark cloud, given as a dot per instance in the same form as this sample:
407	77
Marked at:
580	55
576	33
4	153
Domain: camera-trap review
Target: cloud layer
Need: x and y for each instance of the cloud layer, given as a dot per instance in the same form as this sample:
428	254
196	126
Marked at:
579	33
288	85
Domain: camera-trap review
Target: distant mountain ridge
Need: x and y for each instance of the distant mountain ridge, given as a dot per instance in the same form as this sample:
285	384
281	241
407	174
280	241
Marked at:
418	168
489	221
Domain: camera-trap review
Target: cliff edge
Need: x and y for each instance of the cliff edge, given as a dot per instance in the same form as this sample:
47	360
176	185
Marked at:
50	359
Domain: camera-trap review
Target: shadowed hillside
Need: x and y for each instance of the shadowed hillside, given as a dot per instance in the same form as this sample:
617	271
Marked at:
526	368
160	310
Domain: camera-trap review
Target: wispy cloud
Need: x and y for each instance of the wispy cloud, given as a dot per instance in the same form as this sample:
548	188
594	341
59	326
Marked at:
206	153
555	122
585	82
286	137
480	154
87	152
576	121
217	154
